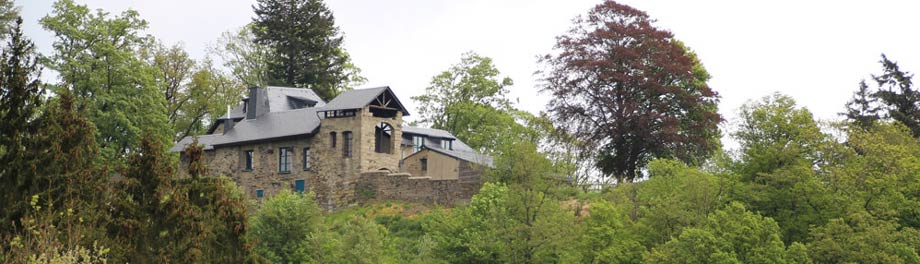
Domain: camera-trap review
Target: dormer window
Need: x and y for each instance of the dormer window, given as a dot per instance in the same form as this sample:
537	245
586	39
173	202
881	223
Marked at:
418	142
446	144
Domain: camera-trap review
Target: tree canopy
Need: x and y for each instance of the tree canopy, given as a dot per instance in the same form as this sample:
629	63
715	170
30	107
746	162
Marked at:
304	46
630	91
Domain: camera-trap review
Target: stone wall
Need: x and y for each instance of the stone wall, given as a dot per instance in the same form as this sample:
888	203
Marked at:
384	186
341	173
265	175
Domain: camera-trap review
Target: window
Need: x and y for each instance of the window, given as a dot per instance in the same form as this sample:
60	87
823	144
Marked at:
332	140
424	163
284	160
247	160
299	186
446	144
306	158
346	144
383	138
260	193
419	142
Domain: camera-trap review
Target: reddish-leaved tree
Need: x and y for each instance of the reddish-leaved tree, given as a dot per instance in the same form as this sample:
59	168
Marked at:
630	92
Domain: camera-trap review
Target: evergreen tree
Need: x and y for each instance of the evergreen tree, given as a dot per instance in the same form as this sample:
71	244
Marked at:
9	14
897	93
305	46
862	110
20	104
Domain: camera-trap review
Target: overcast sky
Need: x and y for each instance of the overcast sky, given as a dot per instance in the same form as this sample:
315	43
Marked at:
815	51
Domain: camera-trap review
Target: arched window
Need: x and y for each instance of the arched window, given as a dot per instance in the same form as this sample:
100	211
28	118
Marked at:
383	138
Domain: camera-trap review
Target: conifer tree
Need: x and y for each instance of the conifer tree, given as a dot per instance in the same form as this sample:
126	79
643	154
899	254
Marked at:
896	91
305	46
20	104
862	109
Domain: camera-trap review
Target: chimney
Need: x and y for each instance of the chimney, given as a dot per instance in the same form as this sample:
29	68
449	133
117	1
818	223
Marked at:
228	123
257	104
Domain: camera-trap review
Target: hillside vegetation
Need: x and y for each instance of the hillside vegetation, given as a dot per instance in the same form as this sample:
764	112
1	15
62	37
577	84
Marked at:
624	166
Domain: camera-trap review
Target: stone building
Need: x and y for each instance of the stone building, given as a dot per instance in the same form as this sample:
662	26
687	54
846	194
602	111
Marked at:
288	138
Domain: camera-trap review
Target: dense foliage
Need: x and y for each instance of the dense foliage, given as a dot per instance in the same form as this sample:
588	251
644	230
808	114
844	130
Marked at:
619	83
85	176
304	46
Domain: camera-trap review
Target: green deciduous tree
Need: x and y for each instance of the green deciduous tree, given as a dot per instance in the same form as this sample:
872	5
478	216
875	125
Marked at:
305	46
473	82
246	60
196	93
174	70
289	228
469	100
630	91
731	235
780	148
883	180
520	219
96	57
860	238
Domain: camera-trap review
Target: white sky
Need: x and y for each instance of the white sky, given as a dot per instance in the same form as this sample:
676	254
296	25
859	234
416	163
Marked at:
815	51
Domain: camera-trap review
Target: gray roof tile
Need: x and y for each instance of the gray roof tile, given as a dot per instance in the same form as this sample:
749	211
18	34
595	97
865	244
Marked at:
268	126
359	98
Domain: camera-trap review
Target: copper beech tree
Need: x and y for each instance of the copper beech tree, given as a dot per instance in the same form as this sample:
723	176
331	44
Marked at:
630	91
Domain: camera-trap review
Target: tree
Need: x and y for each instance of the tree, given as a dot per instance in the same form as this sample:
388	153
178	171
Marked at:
897	93
20	102
174	72
780	149
474	81
96	58
246	60
469	100
196	92
859	238
305	46
731	235
882	179
289	229
9	14
862	110
630	91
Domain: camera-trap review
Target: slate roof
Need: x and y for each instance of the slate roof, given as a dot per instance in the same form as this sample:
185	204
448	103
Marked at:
277	101
431	132
281	121
359	98
470	156
272	125
433	142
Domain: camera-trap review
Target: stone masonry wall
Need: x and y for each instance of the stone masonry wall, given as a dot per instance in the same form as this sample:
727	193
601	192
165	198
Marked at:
265	175
384	186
